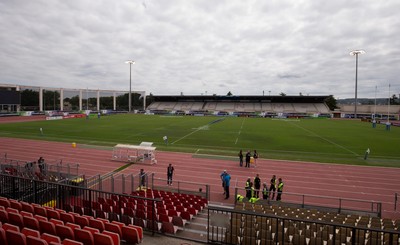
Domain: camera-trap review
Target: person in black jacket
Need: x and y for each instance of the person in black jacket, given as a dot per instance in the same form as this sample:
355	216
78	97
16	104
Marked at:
170	173
257	186
248	156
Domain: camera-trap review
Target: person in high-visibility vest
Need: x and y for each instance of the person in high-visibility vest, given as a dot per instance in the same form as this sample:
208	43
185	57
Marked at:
248	188
265	191
280	189
272	187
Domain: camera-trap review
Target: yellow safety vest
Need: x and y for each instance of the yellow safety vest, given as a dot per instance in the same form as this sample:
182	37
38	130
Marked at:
280	186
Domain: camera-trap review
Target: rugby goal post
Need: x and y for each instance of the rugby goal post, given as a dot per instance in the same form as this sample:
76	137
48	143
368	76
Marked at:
143	153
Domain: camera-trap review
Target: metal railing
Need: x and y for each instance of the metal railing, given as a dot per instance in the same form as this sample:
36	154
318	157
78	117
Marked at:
228	226
333	204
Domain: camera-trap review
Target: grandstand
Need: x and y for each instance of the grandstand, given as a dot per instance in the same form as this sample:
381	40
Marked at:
299	106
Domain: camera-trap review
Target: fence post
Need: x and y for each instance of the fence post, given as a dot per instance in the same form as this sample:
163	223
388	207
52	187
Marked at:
302	205
123	183
132	183
152	181
236	193
179	190
100	183
340	205
395	201
112	183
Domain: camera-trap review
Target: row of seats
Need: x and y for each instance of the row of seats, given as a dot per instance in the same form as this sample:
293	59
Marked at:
66	225
314	214
263	230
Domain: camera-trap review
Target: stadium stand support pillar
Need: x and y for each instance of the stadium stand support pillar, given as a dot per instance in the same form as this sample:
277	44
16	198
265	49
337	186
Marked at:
80	99
144	101
98	100
41	99
61	99
114	101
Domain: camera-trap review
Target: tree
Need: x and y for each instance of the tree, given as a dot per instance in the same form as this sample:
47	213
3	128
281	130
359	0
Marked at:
331	102
229	93
282	94
394	100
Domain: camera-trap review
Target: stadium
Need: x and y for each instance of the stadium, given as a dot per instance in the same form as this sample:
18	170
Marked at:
340	174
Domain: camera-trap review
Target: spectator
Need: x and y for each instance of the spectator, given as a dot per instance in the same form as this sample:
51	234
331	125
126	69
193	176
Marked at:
248	188
265	191
223	180
280	189
255	157
240	158
257	186
272	187
142	176
227	180
248	156
170	172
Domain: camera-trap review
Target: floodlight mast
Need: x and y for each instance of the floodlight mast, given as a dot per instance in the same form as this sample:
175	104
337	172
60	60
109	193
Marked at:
130	62
356	53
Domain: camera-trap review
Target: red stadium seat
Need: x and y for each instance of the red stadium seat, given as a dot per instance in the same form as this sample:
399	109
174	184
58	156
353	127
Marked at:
84	236
186	215
168	227
102	239
30	240
24	213
139	230
16	205
178	221
47	227
96	224
130	235
15	237
92	230
82	221
4	202
7	227
71	242
67	217
16	219
27	207
3	238
31	222
40	211
113	228
53	214
50	238
64	232
40	217
3	216
30	232
12	210
114	236
73	226
56	221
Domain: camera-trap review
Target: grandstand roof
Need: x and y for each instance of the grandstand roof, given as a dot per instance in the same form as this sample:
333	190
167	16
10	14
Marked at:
245	98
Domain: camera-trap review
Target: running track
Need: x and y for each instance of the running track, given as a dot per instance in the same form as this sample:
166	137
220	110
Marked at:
357	182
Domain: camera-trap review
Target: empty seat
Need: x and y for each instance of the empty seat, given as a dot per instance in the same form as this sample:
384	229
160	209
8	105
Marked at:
16	205
65	232
16	219
56	221
84	236
8	226
130	234
27	207
3	216
114	236
67	217
15	237
53	214
24	213
30	232
91	229
50	238
168	227
102	239
82	221
40	211
47	227
31	222
113	228
3	238
31	240
96	224
72	226
4	202
71	242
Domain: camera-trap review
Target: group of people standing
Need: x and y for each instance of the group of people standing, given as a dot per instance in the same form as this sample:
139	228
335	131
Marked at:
253	188
248	158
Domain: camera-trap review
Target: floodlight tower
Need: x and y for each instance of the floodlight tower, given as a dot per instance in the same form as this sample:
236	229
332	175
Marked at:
356	53
130	62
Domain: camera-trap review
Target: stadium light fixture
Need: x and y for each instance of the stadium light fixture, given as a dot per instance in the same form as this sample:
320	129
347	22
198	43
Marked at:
356	53
130	62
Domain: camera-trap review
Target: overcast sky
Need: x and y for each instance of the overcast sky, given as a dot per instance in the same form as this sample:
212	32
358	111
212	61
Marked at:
203	47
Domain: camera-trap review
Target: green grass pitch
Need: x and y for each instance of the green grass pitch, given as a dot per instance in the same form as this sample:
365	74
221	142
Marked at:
317	140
